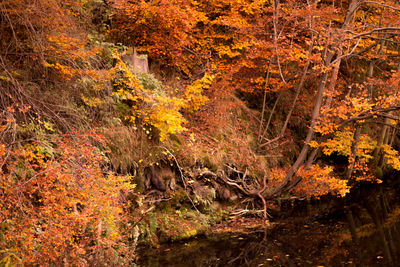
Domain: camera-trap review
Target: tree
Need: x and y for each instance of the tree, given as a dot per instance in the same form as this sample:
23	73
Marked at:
357	105
278	49
56	201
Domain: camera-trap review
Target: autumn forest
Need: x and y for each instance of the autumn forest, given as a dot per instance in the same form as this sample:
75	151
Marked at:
130	127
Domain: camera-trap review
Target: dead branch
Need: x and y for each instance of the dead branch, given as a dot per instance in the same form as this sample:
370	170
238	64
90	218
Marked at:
241	212
383	29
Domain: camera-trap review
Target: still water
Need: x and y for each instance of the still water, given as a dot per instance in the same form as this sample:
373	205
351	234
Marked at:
303	239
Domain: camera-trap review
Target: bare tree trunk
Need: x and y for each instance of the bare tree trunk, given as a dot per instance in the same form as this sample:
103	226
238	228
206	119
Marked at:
381	138
369	75
311	158
332	83
301	84
264	102
272	113
298	90
307	165
353	155
275	21
378	155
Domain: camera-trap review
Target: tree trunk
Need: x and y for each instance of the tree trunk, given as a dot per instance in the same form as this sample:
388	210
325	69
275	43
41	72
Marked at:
264	102
353	155
300	86
383	136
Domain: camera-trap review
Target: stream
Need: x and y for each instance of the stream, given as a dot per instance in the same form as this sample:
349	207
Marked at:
306	248
316	234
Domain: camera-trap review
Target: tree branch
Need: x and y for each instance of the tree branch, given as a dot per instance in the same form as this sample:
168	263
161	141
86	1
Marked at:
358	35
380	4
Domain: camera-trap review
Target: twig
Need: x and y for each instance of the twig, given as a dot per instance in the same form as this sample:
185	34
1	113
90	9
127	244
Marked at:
245	211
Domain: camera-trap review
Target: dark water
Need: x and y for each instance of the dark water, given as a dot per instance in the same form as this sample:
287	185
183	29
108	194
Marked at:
324	239
249	250
288	245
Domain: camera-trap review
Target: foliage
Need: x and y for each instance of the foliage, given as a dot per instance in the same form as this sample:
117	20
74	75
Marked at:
313	182
251	46
317	181
392	156
193	93
152	107
58	202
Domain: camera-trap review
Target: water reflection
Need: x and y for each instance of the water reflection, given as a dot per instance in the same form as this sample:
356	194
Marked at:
363	230
312	245
250	250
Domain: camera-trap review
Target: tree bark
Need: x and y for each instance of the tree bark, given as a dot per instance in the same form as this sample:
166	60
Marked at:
353	155
264	102
301	84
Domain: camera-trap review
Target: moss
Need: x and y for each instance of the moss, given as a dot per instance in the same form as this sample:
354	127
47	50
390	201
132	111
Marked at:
170	225
379	172
176	141
139	181
209	163
149	82
185	235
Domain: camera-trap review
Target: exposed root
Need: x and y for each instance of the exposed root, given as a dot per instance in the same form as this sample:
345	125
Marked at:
253	190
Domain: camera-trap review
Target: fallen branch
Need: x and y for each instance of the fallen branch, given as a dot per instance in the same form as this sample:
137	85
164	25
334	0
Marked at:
241	212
